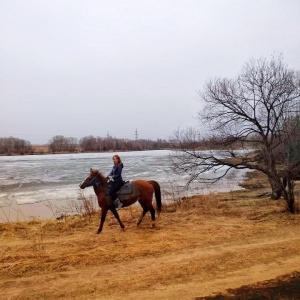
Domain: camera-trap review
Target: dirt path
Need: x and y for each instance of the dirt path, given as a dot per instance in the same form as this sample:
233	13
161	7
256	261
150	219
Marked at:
189	254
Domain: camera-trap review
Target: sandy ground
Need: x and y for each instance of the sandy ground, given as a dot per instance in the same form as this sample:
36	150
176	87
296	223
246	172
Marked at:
201	246
13	212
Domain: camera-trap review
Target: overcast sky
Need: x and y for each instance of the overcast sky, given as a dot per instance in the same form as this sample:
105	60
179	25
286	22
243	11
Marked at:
77	68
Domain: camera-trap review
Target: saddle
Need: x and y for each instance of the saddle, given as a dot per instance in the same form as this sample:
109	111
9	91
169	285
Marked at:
128	191
127	188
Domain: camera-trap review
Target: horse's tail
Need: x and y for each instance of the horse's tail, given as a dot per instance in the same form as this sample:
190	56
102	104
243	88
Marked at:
157	193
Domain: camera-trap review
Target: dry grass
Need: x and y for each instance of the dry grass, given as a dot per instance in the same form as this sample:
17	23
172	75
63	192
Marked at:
201	245
40	149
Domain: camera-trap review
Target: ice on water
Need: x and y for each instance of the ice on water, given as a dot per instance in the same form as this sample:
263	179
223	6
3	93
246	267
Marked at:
36	178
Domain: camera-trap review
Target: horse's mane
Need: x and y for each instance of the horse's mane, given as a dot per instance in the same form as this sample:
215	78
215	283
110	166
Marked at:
100	173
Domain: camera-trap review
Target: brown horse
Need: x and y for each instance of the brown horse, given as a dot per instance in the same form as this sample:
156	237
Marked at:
142	191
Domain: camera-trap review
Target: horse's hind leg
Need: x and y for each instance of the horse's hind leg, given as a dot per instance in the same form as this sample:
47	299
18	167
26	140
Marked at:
145	210
152	212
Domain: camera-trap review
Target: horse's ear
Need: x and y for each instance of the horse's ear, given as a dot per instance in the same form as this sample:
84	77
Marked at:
91	169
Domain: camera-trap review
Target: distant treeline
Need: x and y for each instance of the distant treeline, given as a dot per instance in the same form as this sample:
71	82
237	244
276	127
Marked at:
99	144
11	145
61	144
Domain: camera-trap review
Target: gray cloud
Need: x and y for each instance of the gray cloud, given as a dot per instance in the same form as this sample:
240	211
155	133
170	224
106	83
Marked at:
81	68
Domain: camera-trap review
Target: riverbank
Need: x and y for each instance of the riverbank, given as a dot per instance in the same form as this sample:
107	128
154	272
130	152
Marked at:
49	210
12	211
201	246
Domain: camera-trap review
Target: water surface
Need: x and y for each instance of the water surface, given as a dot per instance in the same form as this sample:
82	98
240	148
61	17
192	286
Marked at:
38	178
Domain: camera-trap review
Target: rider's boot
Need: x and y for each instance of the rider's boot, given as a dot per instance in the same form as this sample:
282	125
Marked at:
118	204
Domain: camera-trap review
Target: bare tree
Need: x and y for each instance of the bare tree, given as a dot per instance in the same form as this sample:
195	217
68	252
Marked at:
72	143
109	143
59	143
11	145
253	111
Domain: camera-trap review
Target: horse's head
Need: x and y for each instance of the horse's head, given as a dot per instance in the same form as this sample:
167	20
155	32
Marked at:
94	179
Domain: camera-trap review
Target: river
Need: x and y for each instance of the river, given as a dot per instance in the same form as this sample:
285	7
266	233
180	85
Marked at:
44	178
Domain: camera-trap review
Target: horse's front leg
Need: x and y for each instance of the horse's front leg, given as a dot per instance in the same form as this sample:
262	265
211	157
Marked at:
102	219
116	214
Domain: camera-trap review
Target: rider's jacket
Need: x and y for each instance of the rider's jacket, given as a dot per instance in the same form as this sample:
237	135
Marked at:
116	172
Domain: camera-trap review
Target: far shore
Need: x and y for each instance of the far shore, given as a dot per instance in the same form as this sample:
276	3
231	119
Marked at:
44	150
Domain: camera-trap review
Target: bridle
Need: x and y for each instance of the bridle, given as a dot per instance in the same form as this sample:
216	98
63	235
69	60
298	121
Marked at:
93	181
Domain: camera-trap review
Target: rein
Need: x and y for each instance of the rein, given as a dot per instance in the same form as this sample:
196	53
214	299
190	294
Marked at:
93	181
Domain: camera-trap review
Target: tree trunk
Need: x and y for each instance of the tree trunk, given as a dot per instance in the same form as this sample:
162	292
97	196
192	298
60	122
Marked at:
276	186
283	185
289	194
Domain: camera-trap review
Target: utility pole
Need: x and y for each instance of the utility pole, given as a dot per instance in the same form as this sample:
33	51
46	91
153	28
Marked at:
136	134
